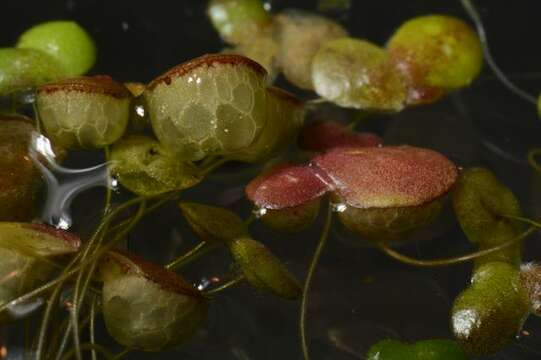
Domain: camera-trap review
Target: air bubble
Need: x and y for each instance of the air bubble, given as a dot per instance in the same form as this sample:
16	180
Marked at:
204	283
114	183
259	212
64	223
338	207
140	110
26	97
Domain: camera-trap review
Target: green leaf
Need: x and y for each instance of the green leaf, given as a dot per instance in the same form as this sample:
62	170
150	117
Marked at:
480	200
434	349
263	270
147	307
367	79
28	252
146	169
67	42
213	224
25	68
487	316
237	21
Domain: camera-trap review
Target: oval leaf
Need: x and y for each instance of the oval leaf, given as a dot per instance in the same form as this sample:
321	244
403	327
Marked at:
212	223
263	270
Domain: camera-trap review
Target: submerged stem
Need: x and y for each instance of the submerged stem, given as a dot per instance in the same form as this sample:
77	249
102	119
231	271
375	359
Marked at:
304	300
72	268
314	102
75	333
204	171
200	249
532	154
121	354
524	220
36	116
90	347
51	302
92	328
224	286
476	18
108	190
388	250
359	117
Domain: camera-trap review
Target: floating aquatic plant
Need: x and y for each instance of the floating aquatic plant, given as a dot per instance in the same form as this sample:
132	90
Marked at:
162	138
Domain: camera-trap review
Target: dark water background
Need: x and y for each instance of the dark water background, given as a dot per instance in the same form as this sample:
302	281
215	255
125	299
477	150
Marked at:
359	296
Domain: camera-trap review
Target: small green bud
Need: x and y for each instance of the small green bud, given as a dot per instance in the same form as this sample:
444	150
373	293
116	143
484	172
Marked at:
480	200
390	350
262	269
301	34
435	53
25	68
146	169
84	112
238	20
357	74
146	307
213	224
489	314
436	349
67	42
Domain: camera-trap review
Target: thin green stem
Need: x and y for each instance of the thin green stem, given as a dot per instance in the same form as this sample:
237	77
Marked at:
204	171
121	354
51	303
306	289
385	247
79	295
72	268
523	219
119	236
197	251
157	204
108	189
36	116
476	18
27	336
75	333
56	338
250	219
67	331
360	116
314	102
224	286
90	347
207	161
92	328
532	159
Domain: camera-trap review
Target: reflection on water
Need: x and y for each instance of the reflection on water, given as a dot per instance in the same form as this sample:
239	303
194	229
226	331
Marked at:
64	184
